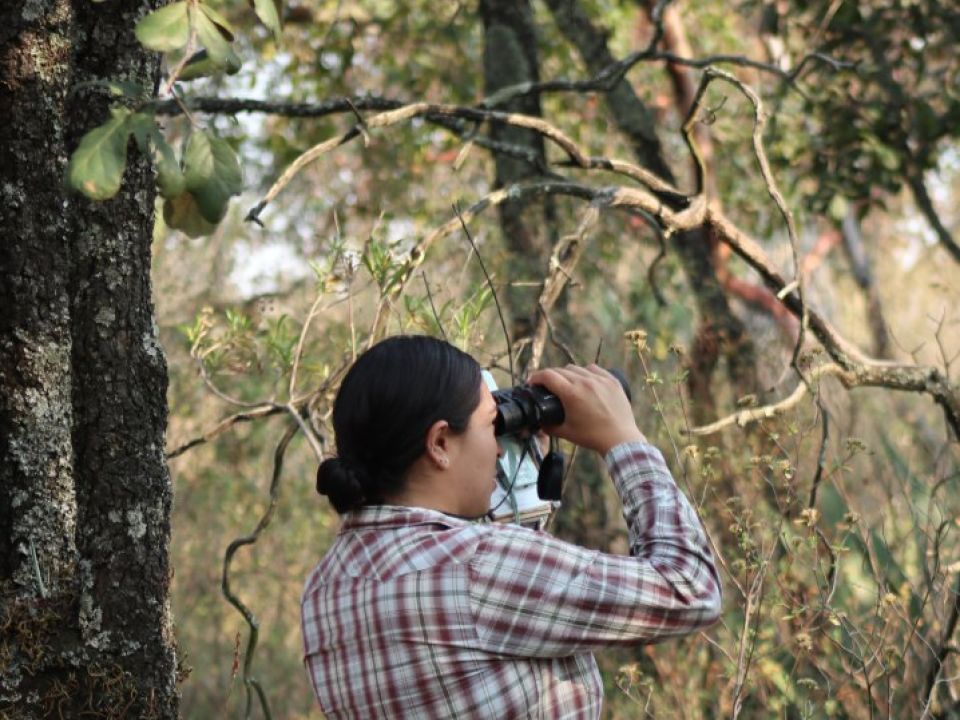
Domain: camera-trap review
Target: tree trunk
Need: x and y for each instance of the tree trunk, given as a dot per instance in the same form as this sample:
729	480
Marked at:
85	494
529	228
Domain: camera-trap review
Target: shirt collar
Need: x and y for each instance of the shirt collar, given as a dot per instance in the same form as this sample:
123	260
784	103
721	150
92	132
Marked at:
394	516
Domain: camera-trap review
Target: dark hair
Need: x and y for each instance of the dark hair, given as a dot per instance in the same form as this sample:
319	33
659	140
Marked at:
386	403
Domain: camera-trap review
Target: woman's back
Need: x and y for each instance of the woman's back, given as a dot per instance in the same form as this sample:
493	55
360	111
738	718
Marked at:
391	628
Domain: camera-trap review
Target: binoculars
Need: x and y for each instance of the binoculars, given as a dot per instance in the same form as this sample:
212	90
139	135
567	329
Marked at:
531	407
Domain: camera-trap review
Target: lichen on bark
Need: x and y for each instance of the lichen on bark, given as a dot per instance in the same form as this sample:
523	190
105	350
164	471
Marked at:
84	491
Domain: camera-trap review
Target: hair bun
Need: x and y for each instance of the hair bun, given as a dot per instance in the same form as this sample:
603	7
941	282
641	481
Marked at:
341	483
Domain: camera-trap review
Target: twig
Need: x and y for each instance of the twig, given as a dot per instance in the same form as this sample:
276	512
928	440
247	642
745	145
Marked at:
299	351
656	17
306	430
936	667
568	352
187	53
821	454
754	597
564	258
745	417
609	76
493	291
265	410
250	683
433	308
230	400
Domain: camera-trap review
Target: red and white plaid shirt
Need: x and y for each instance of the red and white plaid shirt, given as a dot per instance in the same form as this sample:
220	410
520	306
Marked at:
416	614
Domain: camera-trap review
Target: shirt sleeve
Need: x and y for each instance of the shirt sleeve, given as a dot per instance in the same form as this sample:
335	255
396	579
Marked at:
536	596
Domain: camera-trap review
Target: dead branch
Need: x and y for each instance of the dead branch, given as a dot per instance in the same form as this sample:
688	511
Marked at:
759	123
228	422
564	258
750	415
859	369
575	155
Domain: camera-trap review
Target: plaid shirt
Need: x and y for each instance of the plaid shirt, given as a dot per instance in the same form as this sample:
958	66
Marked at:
416	614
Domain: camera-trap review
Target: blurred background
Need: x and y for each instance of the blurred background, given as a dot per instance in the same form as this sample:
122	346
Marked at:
835	518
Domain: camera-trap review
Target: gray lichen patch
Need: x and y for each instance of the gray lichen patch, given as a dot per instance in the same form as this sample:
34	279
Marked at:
151	343
137	528
106	318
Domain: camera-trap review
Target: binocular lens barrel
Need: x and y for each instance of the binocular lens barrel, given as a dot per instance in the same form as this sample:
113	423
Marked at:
526	407
531	407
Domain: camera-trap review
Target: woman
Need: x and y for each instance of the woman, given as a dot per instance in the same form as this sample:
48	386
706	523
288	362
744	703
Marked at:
416	611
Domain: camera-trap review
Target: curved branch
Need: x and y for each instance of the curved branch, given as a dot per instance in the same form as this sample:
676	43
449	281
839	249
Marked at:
564	258
224	425
925	203
759	122
250	683
405	113
745	417
634	200
859	369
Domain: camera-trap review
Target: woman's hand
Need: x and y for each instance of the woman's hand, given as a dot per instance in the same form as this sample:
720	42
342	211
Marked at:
597	413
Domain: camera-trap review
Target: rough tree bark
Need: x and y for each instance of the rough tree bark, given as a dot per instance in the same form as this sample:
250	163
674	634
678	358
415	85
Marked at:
84	490
529	228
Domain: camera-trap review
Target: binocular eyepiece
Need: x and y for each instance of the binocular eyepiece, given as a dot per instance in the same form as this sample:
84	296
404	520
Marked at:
531	407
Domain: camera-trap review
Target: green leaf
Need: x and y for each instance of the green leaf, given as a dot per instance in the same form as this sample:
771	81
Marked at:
219	20
165	29
143	127
838	208
211	36
200	65
182	213
269	13
96	166
170	178
212	174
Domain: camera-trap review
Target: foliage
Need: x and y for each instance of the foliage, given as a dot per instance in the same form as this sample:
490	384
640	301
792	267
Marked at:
881	123
833	520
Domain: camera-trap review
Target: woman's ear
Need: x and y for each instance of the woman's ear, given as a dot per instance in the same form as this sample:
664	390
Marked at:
438	444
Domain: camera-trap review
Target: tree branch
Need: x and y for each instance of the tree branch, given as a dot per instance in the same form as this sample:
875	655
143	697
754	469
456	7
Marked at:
860	370
925	203
405	113
564	258
224	425
745	417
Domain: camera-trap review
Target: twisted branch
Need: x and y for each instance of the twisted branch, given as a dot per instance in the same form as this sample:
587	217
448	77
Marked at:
250	683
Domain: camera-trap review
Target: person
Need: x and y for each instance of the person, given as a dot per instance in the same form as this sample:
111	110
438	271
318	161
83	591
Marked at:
417	611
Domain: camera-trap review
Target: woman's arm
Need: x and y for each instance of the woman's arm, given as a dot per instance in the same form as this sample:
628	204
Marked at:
534	595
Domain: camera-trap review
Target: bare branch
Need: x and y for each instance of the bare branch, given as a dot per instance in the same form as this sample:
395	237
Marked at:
250	683
433	308
409	112
564	258
263	411
859	370
936	666
760	121
745	417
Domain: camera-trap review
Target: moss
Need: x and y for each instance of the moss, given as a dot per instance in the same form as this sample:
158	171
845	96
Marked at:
34	681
